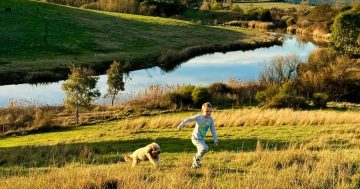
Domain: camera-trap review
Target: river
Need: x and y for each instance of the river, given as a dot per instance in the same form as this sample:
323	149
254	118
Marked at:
201	70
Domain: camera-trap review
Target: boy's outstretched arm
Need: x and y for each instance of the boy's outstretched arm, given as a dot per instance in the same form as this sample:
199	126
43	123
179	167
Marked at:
187	120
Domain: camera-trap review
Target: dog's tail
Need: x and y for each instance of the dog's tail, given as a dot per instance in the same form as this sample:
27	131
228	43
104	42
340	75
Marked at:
128	158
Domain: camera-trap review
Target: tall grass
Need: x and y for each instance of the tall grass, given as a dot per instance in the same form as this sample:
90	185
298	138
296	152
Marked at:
250	117
290	168
326	156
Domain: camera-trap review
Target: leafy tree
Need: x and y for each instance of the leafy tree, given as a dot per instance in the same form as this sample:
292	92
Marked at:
115	81
200	95
331	73
346	32
80	89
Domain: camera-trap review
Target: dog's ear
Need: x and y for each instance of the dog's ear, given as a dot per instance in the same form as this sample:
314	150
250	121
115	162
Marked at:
150	148
155	145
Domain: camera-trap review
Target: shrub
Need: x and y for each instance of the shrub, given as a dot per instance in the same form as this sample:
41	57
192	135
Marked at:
265	15
320	100
200	95
322	13
216	6
153	97
43	119
220	94
185	92
346	31
205	6
290	21
175	98
222	100
266	95
261	14
281	96
182	96
244	92
219	88
330	73
237	8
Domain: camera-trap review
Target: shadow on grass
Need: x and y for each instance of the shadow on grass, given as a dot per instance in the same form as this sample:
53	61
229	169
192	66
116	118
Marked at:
113	151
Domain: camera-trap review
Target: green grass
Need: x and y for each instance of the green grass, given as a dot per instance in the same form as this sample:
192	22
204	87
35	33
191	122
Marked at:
269	5
108	142
279	156
87	37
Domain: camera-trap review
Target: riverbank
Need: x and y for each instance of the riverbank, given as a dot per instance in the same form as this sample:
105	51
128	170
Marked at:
33	49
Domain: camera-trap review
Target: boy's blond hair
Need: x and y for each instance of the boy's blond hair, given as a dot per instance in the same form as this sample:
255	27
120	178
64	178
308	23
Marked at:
206	105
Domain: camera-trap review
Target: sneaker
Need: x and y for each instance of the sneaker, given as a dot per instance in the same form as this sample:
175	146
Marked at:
196	163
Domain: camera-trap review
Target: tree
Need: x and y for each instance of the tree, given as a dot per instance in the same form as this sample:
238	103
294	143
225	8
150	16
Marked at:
115	81
282	69
80	89
346	32
200	95
330	73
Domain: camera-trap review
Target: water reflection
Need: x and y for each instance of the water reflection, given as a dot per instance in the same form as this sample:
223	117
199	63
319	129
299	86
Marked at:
201	70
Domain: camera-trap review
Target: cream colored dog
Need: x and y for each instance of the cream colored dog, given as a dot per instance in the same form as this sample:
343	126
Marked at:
150	152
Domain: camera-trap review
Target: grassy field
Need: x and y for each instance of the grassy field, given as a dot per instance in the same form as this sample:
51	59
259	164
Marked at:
41	40
269	5
259	154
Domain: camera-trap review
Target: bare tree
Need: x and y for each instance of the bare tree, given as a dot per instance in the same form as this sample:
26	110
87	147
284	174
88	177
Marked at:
281	70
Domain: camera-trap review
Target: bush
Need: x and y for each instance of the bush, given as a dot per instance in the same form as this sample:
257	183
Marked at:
265	15
237	8
216	6
219	88
320	100
322	13
175	98
43	119
182	96
200	95
244	92
290	21
205	6
346	31
331	73
221	100
281	96
261	14
266	95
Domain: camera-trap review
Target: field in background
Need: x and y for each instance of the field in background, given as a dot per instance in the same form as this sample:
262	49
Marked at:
32	46
301	149
269	5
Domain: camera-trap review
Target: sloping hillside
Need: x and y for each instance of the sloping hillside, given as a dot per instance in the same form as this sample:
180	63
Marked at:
40	39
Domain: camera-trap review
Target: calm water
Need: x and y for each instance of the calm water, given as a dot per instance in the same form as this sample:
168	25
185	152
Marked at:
202	70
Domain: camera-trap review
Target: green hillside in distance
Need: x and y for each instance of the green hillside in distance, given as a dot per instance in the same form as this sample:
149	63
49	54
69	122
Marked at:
38	38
